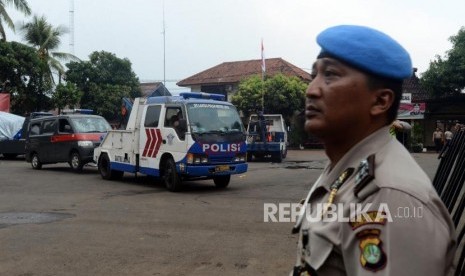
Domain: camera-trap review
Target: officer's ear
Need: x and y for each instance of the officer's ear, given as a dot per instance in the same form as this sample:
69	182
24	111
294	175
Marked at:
383	99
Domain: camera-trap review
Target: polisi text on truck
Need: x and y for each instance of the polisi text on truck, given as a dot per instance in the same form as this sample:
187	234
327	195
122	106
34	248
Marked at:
221	147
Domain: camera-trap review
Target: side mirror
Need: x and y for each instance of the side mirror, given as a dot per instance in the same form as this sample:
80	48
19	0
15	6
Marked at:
181	129
182	125
67	128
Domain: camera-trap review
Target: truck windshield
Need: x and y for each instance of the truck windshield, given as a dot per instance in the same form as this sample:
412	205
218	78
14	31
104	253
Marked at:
213	118
90	124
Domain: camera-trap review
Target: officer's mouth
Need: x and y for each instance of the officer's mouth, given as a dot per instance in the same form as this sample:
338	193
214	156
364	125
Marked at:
311	111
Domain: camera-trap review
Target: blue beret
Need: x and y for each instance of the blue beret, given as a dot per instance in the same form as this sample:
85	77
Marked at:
366	49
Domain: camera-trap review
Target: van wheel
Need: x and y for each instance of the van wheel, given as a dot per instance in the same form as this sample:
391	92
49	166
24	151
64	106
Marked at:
105	169
75	162
222	181
35	162
170	177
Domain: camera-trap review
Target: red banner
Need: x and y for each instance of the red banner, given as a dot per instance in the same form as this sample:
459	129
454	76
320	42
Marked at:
411	111
5	102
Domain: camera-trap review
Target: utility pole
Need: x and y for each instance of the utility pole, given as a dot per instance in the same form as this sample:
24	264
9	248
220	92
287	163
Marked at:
71	26
164	50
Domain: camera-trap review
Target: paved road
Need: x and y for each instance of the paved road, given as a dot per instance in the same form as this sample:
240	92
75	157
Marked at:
55	222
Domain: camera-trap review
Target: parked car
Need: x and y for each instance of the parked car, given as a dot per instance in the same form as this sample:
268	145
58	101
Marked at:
64	138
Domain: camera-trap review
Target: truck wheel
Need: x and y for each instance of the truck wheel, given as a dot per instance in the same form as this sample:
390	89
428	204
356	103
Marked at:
35	162
284	153
75	162
170	176
277	157
222	181
105	170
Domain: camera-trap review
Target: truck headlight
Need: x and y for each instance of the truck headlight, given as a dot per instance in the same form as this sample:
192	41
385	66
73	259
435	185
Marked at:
239	157
196	159
85	144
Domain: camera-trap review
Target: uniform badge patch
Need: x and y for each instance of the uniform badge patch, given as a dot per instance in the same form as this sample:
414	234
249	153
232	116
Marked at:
372	256
370	217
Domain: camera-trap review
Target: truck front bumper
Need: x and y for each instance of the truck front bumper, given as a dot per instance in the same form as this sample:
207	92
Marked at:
212	170
262	147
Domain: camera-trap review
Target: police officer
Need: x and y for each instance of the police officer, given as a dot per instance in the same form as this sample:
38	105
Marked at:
373	211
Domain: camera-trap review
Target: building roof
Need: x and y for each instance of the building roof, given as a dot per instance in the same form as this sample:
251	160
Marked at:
412	85
151	89
235	71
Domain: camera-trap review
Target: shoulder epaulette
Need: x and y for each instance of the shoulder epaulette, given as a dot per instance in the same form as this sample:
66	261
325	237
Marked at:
365	173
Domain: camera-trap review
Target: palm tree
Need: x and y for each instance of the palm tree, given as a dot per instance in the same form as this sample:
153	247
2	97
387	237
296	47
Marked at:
20	5
45	38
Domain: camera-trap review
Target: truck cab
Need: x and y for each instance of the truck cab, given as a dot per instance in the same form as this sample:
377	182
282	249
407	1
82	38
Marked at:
177	138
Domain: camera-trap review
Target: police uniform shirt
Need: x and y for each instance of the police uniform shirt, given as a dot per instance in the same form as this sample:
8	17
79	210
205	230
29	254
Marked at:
420	239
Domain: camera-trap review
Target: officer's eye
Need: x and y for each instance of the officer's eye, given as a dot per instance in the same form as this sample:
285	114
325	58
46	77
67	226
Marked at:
329	73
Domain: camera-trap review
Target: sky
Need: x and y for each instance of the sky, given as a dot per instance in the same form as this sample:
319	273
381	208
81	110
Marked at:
200	34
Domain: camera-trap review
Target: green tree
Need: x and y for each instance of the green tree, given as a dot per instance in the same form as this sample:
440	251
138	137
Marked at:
446	76
284	95
281	94
20	5
46	39
104	80
248	97
21	67
66	95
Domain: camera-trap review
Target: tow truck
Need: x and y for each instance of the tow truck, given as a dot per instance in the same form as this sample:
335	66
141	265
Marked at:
176	138
267	137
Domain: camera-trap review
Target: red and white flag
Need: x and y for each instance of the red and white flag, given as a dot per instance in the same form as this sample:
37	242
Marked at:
263	61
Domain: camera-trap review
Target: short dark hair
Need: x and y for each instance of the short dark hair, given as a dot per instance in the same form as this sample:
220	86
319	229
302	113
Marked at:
377	82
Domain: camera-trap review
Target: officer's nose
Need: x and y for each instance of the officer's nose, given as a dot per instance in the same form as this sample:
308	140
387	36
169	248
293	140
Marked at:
314	88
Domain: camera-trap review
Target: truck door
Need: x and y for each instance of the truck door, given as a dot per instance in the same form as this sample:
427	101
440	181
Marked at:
174	140
150	140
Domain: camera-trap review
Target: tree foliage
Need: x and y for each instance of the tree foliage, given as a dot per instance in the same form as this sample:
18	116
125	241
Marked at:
20	5
248	97
281	95
446	76
21	68
46	39
104	80
66	95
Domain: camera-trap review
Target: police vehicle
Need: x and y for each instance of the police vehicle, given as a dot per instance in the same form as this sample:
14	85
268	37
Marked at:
176	138
267	136
64	138
15	145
